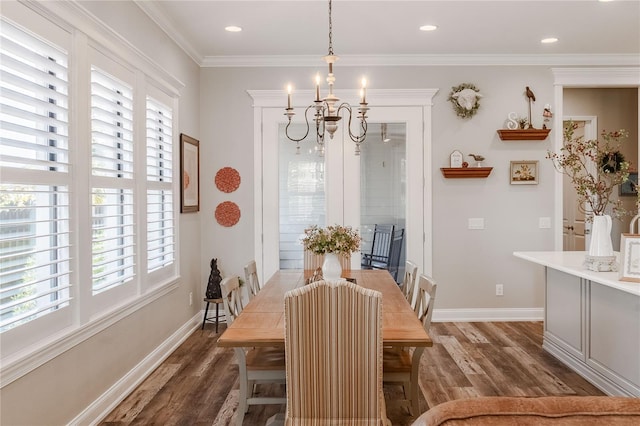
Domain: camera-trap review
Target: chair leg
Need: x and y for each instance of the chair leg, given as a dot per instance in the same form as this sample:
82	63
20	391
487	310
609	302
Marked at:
204	320
217	305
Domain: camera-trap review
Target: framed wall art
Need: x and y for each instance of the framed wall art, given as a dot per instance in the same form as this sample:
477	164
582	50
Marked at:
189	174
630	187
524	172
630	257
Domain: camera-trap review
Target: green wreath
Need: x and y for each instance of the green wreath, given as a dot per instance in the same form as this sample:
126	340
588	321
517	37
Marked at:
459	109
611	161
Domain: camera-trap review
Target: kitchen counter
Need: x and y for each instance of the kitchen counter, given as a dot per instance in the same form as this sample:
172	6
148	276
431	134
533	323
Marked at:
591	321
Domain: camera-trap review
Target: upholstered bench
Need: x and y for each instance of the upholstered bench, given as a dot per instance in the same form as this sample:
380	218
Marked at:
556	410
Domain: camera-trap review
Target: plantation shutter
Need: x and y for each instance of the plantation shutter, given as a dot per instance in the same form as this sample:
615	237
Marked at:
160	208
34	165
113	236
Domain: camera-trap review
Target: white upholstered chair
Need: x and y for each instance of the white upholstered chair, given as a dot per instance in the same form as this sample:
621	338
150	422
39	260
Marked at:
256	365
398	365
251	276
409	280
333	343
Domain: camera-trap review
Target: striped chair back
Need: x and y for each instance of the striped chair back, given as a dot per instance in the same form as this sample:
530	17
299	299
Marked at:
333	347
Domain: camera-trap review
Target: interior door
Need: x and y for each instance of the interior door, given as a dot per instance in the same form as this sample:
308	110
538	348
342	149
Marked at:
575	229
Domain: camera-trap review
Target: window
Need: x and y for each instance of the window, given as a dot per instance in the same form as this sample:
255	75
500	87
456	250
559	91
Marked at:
83	196
160	226
113	234
34	193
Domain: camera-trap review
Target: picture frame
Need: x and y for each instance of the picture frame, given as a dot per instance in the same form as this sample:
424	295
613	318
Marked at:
630	187
189	174
524	172
630	257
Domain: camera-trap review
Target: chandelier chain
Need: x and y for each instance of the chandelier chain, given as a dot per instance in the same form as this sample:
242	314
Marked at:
330	32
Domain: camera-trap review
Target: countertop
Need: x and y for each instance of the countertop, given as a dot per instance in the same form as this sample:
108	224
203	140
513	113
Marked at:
571	263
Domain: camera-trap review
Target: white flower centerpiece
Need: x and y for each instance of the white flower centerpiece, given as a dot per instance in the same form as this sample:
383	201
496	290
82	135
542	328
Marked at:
331	242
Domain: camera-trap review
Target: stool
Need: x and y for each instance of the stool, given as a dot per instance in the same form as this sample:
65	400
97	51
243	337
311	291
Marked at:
206	310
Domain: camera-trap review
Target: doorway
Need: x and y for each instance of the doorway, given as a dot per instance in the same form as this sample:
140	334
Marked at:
341	170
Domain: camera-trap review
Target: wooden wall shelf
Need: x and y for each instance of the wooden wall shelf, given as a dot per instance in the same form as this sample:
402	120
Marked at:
465	172
523	134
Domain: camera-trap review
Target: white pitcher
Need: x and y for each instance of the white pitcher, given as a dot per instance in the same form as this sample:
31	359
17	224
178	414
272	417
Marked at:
601	237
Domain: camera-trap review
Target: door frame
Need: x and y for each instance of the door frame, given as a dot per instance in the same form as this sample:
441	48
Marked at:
588	78
268	115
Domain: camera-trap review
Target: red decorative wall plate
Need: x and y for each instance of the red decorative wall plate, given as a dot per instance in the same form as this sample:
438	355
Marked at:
227	213
227	179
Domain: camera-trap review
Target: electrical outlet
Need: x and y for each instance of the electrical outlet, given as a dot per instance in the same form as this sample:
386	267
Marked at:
191	299
499	290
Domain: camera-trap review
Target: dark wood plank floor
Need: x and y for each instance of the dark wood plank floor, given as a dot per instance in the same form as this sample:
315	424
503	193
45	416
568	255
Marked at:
198	383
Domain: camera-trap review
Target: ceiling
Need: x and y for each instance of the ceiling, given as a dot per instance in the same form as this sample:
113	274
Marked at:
386	32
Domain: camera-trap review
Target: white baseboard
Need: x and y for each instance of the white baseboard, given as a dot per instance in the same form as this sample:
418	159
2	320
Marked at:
486	315
102	406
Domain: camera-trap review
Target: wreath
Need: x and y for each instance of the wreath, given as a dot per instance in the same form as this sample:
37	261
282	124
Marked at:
460	110
612	162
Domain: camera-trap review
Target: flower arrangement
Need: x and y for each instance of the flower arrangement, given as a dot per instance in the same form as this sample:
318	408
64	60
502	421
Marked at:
332	239
595	169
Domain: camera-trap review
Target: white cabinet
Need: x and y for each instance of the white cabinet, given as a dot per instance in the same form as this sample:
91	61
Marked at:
592	322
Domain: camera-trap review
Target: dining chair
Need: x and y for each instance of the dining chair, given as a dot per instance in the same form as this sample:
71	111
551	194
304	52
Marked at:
409	281
231	298
256	365
398	364
333	346
251	276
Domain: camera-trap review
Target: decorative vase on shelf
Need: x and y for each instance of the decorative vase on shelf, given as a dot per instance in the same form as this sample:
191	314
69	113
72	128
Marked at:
600	257
331	268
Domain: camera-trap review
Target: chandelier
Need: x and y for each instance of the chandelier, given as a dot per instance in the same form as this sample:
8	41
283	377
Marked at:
327	110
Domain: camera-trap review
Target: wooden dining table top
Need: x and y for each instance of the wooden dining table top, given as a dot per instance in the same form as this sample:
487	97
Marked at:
261	322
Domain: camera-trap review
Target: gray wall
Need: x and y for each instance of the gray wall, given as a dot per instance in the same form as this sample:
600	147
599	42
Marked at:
467	263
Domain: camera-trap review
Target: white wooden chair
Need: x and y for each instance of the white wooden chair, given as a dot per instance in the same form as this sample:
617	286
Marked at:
398	365
409	281
333	342
251	277
256	365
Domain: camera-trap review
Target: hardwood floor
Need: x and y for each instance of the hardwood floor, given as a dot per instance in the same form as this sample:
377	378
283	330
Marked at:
198	383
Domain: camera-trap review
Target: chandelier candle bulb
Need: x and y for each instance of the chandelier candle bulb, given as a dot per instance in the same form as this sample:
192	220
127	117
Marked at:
289	96
363	91
317	87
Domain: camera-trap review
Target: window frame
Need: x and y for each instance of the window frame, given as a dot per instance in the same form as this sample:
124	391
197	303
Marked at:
23	348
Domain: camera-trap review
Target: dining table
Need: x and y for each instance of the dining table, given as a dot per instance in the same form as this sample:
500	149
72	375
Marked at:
261	322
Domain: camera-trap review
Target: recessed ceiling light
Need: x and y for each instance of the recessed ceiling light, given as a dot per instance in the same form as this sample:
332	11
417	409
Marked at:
233	29
428	28
549	40
604	1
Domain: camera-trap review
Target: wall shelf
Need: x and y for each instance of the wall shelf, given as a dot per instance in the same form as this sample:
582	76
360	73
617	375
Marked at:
523	134
465	172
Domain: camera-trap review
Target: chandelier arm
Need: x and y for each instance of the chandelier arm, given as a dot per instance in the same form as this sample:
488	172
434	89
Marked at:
363	124
286	130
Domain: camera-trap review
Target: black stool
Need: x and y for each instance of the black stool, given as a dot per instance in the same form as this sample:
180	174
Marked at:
206	310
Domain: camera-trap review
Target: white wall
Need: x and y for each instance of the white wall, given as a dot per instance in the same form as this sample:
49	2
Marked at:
61	389
467	264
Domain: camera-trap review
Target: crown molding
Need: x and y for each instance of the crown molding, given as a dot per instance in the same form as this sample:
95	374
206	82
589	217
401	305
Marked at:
151	9
425	60
376	97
